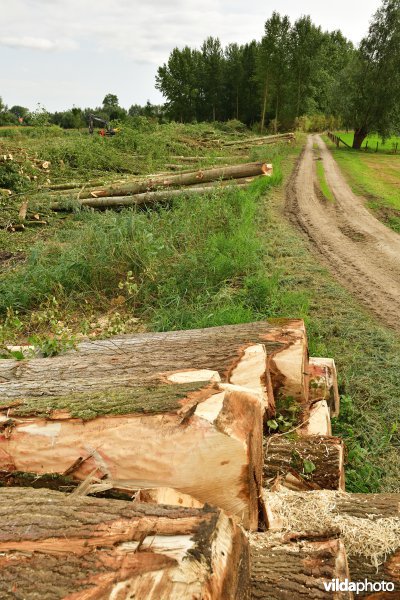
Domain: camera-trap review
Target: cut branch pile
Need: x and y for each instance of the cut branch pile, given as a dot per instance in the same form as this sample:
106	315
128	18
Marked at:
176	420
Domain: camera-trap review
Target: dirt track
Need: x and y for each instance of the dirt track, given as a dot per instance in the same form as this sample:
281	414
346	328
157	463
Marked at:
360	251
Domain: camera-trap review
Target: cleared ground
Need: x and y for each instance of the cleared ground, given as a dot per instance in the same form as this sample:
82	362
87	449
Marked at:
361	252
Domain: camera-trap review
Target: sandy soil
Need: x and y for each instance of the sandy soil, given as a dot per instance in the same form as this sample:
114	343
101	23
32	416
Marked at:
359	250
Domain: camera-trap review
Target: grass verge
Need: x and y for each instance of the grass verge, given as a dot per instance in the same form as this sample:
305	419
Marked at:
376	177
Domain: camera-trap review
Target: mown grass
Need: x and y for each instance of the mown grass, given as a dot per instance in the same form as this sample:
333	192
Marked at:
371	141
376	177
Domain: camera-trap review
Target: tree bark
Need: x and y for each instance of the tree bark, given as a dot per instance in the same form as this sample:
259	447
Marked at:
290	569
369	525
153	410
146	198
144	358
359	136
264	108
180	179
77	548
261	139
284	456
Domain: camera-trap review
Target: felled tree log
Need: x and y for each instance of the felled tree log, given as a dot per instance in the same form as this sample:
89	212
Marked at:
260	141
182	179
147	197
204	440
369	525
221	353
71	547
317	460
289	568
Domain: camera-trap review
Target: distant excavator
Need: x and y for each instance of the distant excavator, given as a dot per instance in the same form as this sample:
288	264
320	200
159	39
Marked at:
105	130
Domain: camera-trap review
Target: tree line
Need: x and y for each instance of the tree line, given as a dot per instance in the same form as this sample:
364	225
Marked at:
75	117
295	70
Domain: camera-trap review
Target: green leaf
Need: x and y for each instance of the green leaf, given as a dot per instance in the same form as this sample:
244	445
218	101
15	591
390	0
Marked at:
308	466
272	424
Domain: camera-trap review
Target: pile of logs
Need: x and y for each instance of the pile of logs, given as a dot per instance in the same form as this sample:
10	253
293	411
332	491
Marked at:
166	187
144	467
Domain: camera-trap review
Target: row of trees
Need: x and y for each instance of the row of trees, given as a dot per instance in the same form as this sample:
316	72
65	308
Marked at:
289	73
75	117
294	70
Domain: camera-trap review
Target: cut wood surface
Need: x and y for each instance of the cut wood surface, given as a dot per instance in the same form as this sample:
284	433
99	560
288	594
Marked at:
182	179
369	525
323	383
71	547
317	460
287	568
204	440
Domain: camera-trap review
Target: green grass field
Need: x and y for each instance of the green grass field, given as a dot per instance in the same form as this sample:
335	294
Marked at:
226	258
371	141
376	177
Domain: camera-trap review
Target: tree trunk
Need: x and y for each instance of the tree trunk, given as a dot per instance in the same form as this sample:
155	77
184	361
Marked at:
180	179
78	548
151	410
147	198
264	108
359	136
369	525
204	440
290	569
144	358
265	139
284	456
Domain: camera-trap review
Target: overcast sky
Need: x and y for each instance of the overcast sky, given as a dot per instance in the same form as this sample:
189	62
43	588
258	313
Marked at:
65	52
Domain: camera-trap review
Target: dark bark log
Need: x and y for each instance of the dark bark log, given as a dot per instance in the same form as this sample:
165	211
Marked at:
284	569
368	523
59	547
181	179
284	455
359	136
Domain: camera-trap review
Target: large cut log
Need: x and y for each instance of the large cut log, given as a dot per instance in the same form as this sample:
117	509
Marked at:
182	179
369	525
147	198
290	567
238	354
71	547
203	439
318	461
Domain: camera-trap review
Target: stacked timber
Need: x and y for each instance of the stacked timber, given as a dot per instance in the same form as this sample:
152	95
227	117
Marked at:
153	452
163	188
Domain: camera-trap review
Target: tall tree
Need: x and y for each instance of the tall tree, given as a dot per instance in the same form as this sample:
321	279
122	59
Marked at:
212	71
272	63
371	84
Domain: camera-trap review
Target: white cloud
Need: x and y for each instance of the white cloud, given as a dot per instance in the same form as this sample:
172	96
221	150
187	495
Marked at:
36	43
